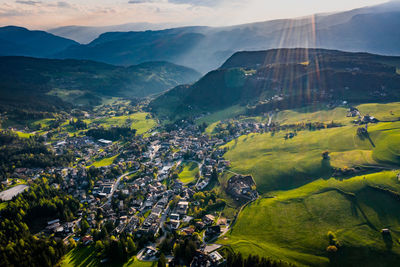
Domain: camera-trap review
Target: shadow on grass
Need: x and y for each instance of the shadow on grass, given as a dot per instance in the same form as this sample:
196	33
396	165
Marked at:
84	256
387	238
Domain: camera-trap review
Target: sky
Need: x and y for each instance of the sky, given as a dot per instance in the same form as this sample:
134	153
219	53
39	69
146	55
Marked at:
46	14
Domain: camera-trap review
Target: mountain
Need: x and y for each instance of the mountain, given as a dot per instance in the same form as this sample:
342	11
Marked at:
127	48
371	29
86	34
286	78
19	41
29	81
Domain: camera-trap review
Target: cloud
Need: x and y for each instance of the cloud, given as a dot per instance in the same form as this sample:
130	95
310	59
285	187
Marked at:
142	1
63	5
30	3
198	2
181	2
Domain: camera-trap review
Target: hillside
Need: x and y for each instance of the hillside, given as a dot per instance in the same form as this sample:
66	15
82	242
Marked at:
293	225
48	82
127	48
284	79
18	41
353	193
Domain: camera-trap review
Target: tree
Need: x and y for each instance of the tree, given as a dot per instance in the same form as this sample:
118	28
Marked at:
131	246
325	155
84	226
162	261
72	243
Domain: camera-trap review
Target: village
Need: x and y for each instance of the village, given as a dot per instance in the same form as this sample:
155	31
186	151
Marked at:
139	193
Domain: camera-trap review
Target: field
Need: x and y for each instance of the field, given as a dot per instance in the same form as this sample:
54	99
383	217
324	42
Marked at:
86	256
189	172
277	163
293	225
300	202
383	112
24	135
104	162
139	121
222	114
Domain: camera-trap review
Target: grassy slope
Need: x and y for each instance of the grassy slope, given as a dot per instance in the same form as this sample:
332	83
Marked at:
293	225
284	164
384	112
188	173
222	114
139	122
104	162
86	256
295	222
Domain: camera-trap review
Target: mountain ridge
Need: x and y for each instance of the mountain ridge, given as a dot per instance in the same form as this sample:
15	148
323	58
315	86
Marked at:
285	78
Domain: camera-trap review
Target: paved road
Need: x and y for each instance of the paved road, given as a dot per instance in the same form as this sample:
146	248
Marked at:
116	186
10	193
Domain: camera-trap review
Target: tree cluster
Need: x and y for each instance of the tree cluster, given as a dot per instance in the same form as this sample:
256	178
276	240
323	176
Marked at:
18	246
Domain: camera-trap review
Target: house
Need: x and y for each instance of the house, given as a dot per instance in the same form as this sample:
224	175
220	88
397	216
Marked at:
86	240
174	216
182	207
213	231
208	219
174	224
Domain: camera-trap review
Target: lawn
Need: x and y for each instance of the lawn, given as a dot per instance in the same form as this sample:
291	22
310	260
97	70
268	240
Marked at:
293	225
104	162
277	163
190	169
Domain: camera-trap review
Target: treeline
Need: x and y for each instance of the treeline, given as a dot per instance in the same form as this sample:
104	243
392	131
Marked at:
78	124
18	247
113	133
237	260
16	152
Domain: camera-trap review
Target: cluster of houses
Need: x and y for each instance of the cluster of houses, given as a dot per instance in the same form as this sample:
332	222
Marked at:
140	204
242	187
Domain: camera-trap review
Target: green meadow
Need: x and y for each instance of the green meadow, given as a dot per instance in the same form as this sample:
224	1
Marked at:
105	162
187	175
293	225
223	114
141	121
86	257
277	163
300	202
383	112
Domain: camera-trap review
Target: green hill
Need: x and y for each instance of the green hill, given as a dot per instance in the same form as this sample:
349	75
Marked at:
285	79
277	163
293	225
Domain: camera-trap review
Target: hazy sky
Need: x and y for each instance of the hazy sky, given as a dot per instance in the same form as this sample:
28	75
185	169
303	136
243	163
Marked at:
42	14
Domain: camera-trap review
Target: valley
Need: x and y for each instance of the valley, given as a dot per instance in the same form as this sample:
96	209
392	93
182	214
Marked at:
283	157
